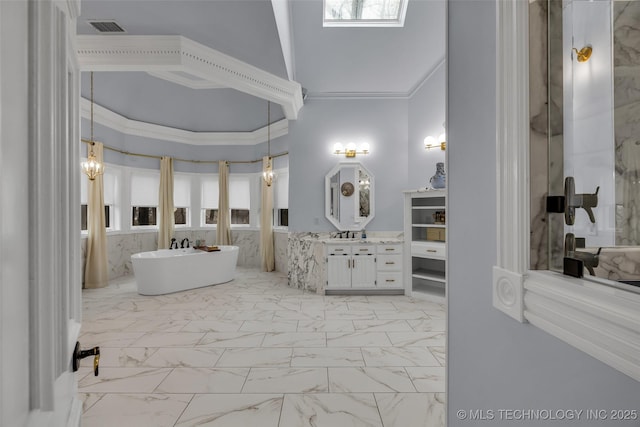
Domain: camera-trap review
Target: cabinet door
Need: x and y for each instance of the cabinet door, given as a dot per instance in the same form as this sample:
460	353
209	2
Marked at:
339	271
363	271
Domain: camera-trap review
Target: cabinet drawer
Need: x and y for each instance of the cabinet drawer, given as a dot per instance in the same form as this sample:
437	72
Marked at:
388	279
428	250
389	249
389	262
363	249
338	249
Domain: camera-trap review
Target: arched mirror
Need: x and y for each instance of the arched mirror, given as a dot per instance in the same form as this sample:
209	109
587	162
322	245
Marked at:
349	190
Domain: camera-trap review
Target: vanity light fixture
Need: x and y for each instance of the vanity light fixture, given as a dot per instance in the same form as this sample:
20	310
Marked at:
92	167
430	142
583	54
350	150
268	174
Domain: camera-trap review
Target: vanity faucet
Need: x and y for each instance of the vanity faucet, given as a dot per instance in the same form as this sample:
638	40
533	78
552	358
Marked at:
186	239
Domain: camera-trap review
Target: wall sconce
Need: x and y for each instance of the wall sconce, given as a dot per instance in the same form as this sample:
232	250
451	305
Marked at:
350	150
583	54
430	142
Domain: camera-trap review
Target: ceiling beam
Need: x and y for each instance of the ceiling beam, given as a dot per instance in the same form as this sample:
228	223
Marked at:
185	62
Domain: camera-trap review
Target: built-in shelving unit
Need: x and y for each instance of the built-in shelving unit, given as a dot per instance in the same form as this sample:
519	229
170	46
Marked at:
425	243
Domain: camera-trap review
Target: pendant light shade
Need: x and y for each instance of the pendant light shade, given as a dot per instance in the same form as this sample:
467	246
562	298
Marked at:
268	174
92	167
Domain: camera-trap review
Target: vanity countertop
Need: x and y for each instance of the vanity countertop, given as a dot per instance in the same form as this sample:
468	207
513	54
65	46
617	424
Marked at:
372	240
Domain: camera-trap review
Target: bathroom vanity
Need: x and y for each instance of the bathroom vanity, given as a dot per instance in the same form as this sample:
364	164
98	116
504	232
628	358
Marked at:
366	266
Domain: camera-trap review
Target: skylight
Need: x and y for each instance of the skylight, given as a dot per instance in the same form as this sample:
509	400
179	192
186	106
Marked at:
364	13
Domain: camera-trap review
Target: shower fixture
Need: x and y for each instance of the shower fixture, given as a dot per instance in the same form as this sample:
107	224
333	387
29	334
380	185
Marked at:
572	201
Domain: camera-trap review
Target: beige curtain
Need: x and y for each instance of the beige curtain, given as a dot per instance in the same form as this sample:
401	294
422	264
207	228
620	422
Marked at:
223	229
266	220
95	271
165	201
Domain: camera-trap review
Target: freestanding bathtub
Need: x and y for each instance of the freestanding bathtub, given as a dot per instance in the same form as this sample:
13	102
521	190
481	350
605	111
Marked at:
171	270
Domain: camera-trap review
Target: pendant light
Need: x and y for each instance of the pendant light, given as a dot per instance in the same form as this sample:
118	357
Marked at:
268	175
92	167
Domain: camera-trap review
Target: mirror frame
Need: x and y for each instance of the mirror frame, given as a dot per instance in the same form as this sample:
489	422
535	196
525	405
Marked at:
596	318
353	203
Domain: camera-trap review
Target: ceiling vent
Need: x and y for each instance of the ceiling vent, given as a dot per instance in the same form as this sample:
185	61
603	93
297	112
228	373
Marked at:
107	27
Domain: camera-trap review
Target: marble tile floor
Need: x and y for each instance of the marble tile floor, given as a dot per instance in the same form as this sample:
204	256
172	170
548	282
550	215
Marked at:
255	352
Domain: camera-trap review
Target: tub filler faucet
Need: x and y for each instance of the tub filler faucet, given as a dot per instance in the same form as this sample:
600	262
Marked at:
173	242
590	260
186	239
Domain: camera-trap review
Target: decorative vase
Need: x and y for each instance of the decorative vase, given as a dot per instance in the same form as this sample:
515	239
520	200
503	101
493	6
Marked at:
439	180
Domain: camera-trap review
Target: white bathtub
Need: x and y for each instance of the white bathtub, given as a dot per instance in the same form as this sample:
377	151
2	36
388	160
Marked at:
171	270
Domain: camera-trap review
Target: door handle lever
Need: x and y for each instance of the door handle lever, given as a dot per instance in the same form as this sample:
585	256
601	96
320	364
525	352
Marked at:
81	354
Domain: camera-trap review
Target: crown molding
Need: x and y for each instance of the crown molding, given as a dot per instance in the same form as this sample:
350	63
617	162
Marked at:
175	58
380	95
185	79
127	126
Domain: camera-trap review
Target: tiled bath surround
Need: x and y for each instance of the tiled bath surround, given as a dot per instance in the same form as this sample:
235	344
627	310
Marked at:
120	247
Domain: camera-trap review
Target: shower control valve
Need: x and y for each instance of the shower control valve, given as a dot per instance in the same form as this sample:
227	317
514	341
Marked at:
586	201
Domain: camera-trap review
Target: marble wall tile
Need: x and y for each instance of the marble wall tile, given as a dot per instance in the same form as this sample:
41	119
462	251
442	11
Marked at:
299	255
121	246
306	265
280	243
546	131
538	132
626	52
619	264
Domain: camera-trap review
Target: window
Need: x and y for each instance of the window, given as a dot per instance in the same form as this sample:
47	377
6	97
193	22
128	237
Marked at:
181	199
109	180
239	198
281	200
144	198
83	217
144	215
209	199
364	13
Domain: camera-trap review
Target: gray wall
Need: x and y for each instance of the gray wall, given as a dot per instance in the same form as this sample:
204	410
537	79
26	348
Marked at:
494	362
426	117
322	122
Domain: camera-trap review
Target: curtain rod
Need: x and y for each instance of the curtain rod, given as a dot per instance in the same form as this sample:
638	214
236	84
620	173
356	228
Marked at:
151	156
